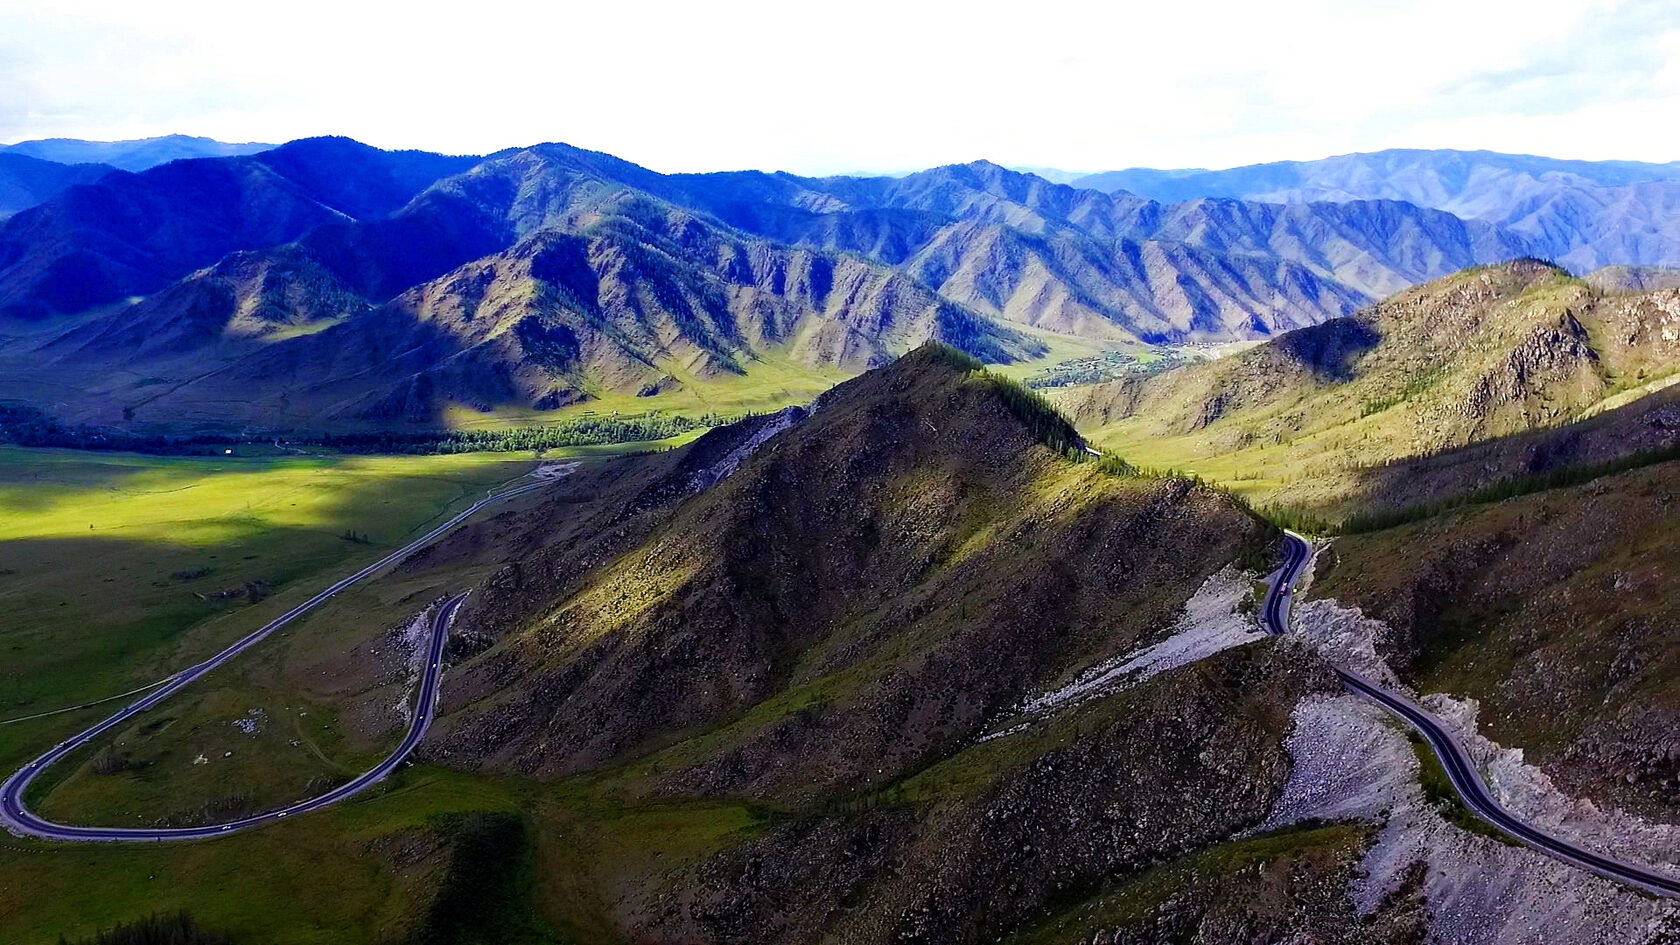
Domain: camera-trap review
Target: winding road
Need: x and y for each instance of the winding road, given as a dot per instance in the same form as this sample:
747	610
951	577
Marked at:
18	819
1461	771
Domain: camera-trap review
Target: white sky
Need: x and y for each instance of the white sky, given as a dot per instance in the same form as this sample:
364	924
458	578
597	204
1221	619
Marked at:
860	84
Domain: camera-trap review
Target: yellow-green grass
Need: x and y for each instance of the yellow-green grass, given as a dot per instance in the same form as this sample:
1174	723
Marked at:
330	877
771	382
328	688
110	563
1060	348
188	762
309	880
1311	465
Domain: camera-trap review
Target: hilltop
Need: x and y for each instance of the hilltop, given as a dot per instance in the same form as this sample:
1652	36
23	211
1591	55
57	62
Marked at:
1481	355
827	632
776	684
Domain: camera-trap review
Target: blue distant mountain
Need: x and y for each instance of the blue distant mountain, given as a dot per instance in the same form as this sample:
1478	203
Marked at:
1583	214
26	181
136	155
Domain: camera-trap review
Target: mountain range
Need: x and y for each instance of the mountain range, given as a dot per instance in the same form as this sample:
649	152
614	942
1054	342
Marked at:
137	154
1581	214
359	286
32	172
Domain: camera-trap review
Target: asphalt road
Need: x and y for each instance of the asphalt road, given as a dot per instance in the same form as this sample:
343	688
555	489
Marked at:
18	819
1454	759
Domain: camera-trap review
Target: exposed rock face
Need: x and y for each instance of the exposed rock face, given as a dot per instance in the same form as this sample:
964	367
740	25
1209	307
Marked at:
1123	783
1473	889
1552	611
1551	363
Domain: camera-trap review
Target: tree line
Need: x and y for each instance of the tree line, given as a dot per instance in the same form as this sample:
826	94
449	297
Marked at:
23	426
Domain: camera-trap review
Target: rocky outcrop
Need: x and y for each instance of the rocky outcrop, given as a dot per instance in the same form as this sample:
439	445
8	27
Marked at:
991	836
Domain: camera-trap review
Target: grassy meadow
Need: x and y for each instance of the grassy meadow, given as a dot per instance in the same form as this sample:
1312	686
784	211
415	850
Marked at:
116	569
95	611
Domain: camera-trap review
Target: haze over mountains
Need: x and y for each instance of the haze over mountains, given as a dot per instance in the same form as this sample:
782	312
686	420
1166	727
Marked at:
31	172
1582	214
356	285
134	155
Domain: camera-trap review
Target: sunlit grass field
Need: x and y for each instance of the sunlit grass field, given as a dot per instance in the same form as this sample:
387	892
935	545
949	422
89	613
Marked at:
770	383
117	569
95	611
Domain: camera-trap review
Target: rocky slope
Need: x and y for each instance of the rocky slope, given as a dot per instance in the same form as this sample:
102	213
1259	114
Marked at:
827	632
244	299
1008	245
1318	259
989	256
642	300
816	568
1553	611
1202	269
1647	426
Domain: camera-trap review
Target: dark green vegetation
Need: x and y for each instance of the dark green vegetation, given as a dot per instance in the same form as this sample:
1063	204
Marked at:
1273	887
707	696
22	426
1495	450
1438	791
1042	420
116	570
174	929
583	431
1556	478
485	895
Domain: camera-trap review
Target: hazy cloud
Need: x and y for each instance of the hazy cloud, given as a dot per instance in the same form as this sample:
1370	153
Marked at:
886	84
